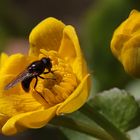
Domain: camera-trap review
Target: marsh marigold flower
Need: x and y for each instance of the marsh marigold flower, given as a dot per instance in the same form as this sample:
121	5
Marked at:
67	93
125	43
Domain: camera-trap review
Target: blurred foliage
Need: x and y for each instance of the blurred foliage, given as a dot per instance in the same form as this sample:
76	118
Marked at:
99	25
12	23
45	133
13	19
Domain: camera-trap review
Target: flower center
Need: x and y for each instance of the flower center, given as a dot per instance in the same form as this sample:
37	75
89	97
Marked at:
59	84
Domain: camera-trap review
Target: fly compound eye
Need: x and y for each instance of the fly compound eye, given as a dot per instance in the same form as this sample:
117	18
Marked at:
47	62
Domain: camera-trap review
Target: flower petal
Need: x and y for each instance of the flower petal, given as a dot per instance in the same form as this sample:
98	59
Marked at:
15	64
14	100
46	35
3	119
124	32
15	104
3	59
117	44
130	56
70	47
35	119
70	51
76	99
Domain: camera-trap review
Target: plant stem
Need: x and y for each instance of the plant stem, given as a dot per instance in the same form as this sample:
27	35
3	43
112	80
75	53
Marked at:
97	117
81	127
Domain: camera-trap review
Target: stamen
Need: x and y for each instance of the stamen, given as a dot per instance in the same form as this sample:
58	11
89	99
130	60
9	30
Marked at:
56	91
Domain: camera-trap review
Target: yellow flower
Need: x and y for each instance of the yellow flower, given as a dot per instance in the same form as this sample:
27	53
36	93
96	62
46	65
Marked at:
125	43
20	110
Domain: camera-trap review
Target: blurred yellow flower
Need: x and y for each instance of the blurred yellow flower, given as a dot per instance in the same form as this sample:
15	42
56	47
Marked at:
20	110
125	43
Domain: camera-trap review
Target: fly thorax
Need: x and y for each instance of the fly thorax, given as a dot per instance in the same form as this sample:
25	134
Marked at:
37	67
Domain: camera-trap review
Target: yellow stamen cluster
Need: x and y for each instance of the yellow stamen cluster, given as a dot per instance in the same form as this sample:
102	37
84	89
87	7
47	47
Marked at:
58	85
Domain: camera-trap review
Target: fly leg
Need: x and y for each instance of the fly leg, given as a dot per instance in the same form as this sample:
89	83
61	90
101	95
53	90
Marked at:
41	77
46	78
50	71
46	72
35	82
36	90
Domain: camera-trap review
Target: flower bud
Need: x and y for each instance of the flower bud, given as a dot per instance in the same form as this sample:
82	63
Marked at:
125	44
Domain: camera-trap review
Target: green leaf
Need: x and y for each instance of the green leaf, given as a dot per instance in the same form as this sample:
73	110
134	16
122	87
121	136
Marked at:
119	107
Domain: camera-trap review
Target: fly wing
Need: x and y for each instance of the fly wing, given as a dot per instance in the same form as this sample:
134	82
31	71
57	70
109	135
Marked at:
22	76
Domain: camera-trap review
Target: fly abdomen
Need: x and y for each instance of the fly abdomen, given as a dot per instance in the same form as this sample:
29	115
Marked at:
26	84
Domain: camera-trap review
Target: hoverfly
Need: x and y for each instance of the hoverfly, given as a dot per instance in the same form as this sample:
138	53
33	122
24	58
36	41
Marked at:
34	70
